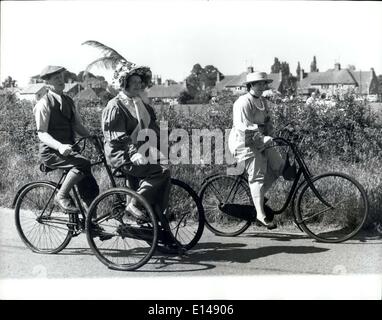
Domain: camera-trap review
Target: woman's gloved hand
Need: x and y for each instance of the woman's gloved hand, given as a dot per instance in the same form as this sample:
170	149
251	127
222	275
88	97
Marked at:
267	140
138	159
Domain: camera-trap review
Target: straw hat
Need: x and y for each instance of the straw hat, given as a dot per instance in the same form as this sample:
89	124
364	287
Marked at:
48	71
256	77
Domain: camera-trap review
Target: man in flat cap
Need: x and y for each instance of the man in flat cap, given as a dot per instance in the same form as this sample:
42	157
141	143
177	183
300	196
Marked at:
57	121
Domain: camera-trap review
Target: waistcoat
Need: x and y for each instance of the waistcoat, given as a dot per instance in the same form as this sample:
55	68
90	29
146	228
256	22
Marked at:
60	122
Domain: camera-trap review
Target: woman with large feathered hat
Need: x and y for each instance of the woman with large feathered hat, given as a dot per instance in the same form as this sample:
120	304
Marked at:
126	121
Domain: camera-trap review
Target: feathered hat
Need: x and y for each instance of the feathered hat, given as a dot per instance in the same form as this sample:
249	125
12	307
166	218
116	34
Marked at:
124	69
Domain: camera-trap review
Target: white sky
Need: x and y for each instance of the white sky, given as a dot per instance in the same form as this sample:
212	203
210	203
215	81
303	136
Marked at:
171	36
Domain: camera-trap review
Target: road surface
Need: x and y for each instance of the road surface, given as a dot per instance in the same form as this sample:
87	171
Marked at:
255	253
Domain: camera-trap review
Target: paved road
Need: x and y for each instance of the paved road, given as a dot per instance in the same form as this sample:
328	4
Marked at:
254	253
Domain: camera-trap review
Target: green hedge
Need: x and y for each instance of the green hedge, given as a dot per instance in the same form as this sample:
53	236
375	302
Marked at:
344	137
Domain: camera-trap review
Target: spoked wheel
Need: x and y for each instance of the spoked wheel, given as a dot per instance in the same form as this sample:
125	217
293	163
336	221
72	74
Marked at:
118	239
341	212
227	205
184	219
41	224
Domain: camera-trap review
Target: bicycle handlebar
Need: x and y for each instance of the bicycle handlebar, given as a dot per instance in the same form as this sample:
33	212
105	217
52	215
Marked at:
94	138
281	141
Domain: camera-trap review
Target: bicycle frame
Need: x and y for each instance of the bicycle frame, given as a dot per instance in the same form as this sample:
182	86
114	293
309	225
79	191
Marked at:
302	171
111	174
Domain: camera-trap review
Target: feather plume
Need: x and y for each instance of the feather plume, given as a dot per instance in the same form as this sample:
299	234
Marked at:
111	58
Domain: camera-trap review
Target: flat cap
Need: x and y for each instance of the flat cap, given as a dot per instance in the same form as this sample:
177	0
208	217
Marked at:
50	70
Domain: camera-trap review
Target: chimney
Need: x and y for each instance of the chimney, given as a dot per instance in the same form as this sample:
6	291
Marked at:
250	69
281	75
167	83
337	66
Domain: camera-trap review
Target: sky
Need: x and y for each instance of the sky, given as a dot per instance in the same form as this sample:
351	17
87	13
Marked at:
171	36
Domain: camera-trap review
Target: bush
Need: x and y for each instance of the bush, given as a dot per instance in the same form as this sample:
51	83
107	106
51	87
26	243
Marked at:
343	138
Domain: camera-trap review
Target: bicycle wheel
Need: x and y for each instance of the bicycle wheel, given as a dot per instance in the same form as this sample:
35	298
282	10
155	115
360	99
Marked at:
41	224
230	190
117	238
344	214
184	219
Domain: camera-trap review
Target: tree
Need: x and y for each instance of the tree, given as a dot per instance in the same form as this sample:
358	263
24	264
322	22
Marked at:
9	82
313	65
276	67
184	97
210	76
280	66
201	81
285	68
69	75
298	70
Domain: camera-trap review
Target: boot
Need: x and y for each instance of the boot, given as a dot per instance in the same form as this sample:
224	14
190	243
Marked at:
62	197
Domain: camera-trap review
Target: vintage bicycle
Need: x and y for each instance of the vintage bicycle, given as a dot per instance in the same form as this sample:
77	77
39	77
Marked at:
117	238
330	207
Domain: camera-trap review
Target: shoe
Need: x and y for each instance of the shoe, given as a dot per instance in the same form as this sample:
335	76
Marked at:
65	204
268	224
139	215
97	231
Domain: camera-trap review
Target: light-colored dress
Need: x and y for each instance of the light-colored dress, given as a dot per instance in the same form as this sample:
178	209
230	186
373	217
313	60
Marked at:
251	122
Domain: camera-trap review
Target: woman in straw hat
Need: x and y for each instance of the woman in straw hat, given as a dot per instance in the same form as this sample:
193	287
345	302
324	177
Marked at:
249	137
125	120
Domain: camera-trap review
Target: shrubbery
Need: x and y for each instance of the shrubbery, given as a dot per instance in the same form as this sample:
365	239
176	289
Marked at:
344	137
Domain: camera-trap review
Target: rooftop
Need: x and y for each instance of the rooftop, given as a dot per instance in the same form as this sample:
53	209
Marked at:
165	91
34	88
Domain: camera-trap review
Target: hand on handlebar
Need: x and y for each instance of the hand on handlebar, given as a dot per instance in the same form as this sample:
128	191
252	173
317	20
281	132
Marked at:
267	140
138	159
65	149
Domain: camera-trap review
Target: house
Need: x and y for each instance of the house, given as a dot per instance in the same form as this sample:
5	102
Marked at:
220	84
72	88
235	83
33	92
338	81
35	79
167	92
87	94
91	82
